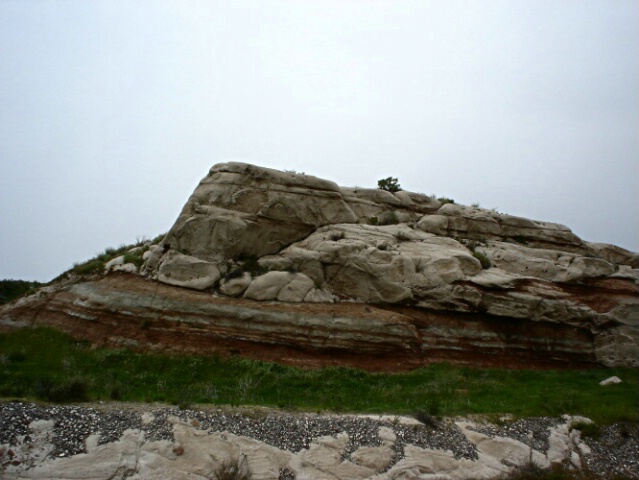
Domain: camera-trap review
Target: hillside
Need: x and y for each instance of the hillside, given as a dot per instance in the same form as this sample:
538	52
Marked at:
293	268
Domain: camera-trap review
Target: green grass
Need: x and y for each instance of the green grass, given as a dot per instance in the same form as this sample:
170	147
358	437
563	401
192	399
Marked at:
96	264
483	259
44	364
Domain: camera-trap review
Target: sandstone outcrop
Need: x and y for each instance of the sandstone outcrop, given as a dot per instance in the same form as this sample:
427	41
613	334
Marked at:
290	260
402	248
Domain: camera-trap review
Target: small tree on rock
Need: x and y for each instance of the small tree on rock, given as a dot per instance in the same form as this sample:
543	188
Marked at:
389	184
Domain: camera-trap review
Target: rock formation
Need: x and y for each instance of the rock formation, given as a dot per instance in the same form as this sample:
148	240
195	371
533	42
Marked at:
289	261
376	448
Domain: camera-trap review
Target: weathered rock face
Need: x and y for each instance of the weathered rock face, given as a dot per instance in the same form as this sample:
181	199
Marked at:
125	310
351	447
460	280
402	248
241	209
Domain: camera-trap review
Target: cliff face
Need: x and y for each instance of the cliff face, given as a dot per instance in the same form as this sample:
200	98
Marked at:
299	264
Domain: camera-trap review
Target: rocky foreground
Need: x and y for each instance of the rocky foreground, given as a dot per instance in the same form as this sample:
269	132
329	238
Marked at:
108	441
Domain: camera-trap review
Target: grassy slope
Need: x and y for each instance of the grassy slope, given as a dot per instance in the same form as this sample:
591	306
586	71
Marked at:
44	364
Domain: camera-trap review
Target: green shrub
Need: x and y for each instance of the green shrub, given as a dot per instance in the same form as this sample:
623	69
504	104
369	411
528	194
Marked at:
389	184
483	259
136	258
250	263
12	289
373	220
427	418
116	392
389	218
17	357
520	239
42	388
158	239
445	200
89	267
233	273
96	264
588	429
73	390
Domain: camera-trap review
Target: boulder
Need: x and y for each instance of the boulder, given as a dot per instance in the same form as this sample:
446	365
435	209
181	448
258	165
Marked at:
188	271
317	295
296	290
610	381
111	264
236	286
240	209
268	286
126	267
283	286
152	258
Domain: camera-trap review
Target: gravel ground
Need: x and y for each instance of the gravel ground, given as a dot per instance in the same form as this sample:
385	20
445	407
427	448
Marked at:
615	450
522	429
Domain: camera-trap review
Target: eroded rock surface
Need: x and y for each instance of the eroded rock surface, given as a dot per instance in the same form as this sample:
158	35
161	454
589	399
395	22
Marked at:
442	281
167	443
126	310
373	246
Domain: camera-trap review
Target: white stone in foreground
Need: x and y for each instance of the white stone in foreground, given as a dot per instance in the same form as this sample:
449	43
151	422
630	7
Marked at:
196	454
610	381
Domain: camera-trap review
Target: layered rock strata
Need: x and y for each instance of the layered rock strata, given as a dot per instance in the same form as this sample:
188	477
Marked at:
125	310
309	240
293	261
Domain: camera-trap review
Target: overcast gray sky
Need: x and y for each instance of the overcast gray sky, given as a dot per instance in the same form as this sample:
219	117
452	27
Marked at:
112	111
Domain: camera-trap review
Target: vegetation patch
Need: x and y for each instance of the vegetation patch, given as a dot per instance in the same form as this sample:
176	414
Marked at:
72	390
588	429
236	469
44	364
483	259
233	273
12	289
96	264
520	239
389	184
136	257
388	218
250	263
